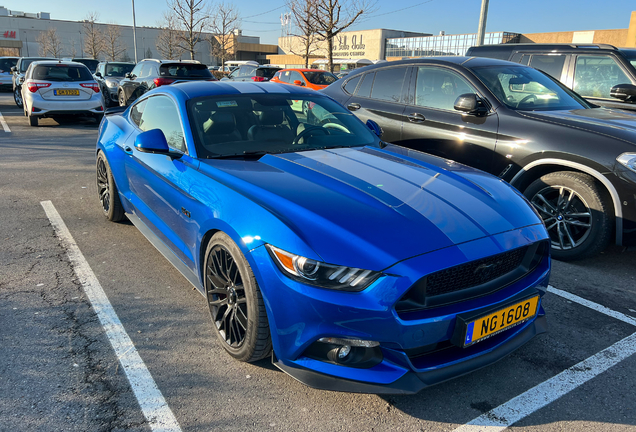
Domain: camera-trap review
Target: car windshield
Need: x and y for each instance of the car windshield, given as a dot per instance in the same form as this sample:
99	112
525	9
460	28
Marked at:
267	72
118	69
186	70
89	63
526	89
60	72
320	78
7	63
24	64
240	125
630	55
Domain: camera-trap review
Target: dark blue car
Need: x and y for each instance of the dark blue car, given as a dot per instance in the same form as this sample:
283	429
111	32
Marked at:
357	265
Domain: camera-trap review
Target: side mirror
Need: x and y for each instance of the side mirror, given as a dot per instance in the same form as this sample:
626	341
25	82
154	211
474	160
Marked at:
13	69
375	128
98	74
21	80
154	141
624	92
469	103
128	75
299	83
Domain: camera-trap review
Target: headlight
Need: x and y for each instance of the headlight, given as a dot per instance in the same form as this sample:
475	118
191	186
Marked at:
320	274
112	84
628	160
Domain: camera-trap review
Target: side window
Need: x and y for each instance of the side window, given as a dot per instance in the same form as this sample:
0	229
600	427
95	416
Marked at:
284	76
388	84
596	75
350	86
295	76
550	64
439	88
525	59
161	113
146	70
137	70
136	111
365	87
246	70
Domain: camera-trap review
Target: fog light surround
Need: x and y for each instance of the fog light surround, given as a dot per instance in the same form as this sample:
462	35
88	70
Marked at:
356	353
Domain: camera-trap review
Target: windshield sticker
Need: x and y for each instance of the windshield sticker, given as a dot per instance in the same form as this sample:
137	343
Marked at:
225	104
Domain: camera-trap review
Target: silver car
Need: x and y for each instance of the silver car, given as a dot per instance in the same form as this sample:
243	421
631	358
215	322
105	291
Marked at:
61	88
6	63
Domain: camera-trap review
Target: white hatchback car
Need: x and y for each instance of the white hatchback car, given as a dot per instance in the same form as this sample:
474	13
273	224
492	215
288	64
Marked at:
60	88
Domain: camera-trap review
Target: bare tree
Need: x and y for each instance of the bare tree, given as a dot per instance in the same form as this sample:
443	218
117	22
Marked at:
335	16
168	38
304	20
50	43
73	49
112	42
225	23
193	17
148	53
93	38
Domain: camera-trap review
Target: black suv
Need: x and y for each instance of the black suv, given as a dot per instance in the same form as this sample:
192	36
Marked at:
591	70
151	73
574	162
108	75
18	72
252	72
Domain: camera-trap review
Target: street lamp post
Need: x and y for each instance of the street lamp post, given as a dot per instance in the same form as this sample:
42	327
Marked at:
482	23
134	30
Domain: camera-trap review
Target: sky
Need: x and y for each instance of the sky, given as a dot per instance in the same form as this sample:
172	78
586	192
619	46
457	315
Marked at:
262	19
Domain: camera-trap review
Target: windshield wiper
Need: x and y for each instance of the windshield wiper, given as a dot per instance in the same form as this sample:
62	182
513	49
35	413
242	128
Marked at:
245	154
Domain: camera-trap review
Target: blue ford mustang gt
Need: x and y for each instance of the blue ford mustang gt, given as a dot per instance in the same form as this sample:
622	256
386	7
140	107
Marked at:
357	265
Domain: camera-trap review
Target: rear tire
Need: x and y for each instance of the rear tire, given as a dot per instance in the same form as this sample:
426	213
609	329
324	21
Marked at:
107	191
576	211
235	301
33	121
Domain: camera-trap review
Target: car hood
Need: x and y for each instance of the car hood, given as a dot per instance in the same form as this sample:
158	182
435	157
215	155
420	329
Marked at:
371	208
616	123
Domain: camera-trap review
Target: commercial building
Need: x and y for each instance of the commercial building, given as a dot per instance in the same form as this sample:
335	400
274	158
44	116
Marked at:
354	46
19	32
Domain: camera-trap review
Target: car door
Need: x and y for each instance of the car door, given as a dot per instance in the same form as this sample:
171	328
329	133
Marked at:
595	75
380	96
159	184
128	85
433	126
296	76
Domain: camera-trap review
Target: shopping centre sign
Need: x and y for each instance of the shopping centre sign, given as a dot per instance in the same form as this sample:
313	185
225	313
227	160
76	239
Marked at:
9	34
356	48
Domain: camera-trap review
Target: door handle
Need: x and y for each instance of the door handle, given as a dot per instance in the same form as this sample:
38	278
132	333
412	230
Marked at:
354	106
416	118
128	150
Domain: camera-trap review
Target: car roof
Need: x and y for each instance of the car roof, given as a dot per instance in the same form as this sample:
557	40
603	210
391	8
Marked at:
556	47
57	62
195	89
303	70
467	62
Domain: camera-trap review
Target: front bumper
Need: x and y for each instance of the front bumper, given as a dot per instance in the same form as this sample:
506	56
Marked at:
299	315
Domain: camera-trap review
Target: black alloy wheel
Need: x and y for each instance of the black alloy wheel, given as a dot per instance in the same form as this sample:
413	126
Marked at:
576	213
235	301
17	97
107	191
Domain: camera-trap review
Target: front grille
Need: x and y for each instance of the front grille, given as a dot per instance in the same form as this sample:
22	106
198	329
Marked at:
473	273
470	280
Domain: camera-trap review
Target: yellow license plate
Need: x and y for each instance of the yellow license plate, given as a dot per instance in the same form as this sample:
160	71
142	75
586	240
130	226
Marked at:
62	92
489	325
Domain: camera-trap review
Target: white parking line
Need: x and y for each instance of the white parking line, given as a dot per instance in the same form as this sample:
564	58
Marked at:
153	405
5	126
509	413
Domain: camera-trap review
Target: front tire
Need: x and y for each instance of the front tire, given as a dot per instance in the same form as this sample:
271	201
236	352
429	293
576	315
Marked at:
17	97
576	211
107	191
121	98
235	301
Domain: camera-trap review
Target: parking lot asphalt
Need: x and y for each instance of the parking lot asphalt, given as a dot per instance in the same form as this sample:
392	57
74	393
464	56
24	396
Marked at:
58	370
